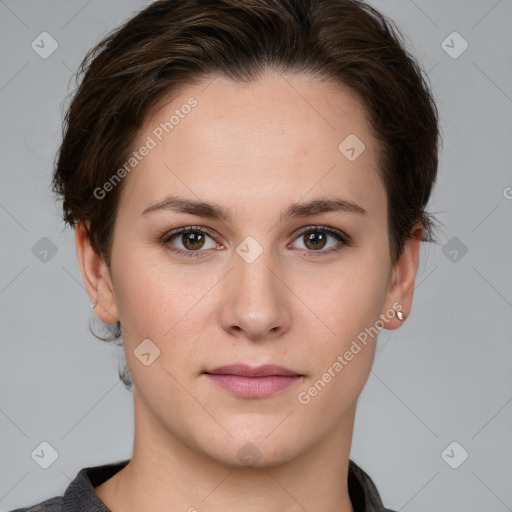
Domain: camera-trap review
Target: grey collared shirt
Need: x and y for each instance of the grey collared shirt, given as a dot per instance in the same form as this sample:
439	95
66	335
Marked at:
80	495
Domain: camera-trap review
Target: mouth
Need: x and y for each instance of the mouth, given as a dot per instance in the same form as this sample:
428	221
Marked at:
253	382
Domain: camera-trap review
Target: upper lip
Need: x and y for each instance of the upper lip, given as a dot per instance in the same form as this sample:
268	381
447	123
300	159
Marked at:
252	371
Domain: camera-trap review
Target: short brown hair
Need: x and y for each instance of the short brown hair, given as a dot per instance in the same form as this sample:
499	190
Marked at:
173	43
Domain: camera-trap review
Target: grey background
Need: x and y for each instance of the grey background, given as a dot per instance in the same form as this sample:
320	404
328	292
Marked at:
444	376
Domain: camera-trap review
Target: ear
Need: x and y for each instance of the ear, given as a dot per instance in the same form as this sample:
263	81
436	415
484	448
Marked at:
96	276
403	278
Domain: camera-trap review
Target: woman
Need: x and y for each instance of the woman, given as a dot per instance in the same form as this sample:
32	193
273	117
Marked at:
247	182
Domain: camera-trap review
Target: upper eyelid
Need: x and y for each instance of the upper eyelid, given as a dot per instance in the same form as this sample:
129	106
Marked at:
318	227
173	232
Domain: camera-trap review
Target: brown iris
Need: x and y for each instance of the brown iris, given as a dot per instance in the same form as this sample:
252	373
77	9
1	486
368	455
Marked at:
193	240
318	240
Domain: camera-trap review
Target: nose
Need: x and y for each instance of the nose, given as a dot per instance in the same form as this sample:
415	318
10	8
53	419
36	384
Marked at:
255	299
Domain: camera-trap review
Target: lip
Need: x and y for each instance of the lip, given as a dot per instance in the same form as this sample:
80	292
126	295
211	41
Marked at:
252	371
253	382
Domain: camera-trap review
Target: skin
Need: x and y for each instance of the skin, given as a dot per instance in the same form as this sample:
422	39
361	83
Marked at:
254	149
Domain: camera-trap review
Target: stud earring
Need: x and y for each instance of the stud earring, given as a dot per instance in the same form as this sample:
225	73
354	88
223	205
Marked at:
400	315
94	305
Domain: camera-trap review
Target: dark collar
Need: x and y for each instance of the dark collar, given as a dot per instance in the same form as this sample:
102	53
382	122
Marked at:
80	495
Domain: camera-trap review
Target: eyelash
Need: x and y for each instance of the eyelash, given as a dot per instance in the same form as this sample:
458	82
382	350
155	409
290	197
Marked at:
345	240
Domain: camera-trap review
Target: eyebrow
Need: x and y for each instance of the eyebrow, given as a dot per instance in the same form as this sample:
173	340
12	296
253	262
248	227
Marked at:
215	211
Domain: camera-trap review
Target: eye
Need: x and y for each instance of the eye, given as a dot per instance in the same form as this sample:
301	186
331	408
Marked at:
194	241
316	239
190	241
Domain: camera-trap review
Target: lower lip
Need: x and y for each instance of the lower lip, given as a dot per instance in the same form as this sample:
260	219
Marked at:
254	387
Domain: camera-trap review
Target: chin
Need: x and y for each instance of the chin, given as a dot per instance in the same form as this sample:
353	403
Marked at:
256	451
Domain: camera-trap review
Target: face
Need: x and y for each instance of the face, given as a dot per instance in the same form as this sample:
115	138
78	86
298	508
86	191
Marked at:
286	264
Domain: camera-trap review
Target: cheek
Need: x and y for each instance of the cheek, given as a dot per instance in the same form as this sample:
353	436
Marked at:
334	391
163	305
149	295
341	360
351	295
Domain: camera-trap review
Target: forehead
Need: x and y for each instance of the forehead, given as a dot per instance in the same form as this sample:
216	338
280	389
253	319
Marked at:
281	136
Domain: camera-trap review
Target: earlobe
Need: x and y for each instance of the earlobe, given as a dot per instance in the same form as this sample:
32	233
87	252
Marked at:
401	289
96	277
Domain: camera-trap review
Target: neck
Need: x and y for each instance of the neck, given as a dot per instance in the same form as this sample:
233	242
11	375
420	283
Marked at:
165	473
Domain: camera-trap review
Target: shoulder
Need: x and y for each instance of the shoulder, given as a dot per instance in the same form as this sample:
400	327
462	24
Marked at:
50	505
80	494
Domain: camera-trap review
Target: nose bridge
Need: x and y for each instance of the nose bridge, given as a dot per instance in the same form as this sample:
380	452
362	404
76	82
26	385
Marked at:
256	301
